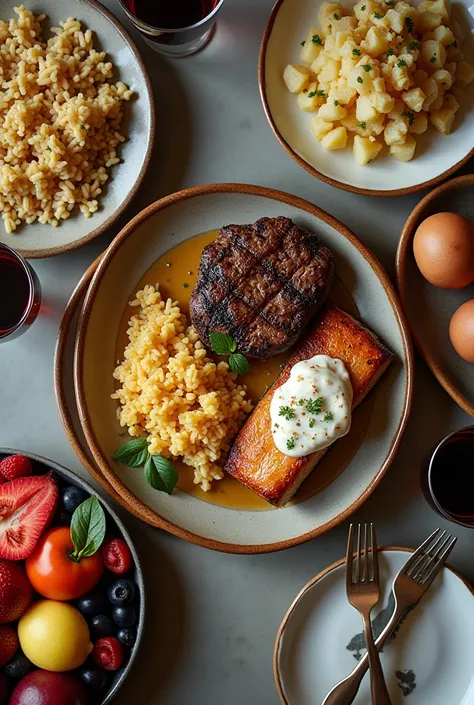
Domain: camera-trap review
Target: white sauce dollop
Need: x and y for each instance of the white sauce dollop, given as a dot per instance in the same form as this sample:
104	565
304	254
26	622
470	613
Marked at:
312	409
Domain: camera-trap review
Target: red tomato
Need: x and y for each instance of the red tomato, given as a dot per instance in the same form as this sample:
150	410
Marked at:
54	574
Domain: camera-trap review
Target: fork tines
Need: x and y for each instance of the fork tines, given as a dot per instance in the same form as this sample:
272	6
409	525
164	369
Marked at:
361	567
426	560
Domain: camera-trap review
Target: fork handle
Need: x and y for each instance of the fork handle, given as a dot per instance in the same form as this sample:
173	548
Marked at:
378	687
345	691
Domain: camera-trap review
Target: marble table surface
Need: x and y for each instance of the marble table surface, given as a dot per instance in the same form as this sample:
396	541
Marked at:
212	618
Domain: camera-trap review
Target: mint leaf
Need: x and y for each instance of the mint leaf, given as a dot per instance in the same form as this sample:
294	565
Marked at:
161	474
133	454
87	528
239	363
221	343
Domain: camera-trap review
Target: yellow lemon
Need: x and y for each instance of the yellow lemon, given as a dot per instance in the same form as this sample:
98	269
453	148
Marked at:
54	635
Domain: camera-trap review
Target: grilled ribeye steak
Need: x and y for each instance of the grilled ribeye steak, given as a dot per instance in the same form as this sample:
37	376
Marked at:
261	284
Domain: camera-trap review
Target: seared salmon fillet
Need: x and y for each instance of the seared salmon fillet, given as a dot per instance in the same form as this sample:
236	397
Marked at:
254	459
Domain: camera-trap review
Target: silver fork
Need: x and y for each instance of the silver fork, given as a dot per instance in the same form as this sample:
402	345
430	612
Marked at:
363	592
409	586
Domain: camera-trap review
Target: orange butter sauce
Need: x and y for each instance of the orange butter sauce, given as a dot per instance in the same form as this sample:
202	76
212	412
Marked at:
176	273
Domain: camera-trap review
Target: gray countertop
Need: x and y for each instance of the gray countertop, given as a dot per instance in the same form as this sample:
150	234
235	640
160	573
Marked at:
213	618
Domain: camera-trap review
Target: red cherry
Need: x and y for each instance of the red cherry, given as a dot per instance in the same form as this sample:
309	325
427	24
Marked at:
108	653
117	556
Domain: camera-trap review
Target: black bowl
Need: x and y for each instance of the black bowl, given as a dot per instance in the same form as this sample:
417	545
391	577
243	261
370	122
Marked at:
41	466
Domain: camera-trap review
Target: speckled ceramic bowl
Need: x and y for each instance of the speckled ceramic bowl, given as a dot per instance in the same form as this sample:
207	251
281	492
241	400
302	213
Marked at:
429	309
148	236
437	156
115	526
38	240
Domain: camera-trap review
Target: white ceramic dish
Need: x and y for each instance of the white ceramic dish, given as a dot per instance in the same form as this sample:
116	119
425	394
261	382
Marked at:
163	225
38	240
437	156
429	662
429	309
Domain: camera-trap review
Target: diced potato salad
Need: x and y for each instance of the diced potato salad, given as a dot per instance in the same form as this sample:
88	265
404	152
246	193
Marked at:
382	71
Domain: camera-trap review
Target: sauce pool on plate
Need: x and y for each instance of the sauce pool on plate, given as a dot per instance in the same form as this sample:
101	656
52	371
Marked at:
176	273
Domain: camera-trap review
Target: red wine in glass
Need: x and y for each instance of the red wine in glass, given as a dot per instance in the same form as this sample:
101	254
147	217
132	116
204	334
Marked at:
174	27
446	476
171	14
19	294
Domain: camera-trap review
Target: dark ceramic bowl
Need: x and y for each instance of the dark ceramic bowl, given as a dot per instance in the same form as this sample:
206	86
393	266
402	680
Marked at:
427	472
115	527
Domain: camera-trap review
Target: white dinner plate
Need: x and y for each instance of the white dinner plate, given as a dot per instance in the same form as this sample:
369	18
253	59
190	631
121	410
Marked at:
437	156
37	240
429	661
148	236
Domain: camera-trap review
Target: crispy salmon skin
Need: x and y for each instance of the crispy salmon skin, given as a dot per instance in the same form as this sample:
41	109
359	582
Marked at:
254	459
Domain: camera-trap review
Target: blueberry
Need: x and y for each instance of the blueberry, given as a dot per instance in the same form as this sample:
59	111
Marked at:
92	604
94	678
72	497
121	592
124	616
19	666
127	636
101	626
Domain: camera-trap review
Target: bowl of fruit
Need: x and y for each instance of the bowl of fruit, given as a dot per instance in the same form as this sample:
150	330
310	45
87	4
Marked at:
72	597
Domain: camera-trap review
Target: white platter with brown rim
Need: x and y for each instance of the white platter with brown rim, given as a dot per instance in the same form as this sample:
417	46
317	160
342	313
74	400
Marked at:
437	156
429	309
138	128
426	661
345	478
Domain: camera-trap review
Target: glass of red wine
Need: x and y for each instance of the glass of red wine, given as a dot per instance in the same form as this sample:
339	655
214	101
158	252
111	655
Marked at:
20	294
446	477
174	27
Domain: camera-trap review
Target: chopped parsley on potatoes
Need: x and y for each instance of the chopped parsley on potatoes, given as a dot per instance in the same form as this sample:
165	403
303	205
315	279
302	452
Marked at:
382	71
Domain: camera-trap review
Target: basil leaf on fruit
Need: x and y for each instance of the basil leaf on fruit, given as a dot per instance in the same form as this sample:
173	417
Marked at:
221	343
133	454
87	528
239	363
161	474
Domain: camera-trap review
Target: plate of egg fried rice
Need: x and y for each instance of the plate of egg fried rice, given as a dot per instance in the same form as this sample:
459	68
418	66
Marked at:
76	123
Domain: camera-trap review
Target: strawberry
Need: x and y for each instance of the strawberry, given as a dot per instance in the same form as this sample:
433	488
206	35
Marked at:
8	643
14	466
108	653
117	556
27	506
15	591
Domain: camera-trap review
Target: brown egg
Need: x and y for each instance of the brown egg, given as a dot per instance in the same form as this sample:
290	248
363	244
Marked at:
461	331
444	250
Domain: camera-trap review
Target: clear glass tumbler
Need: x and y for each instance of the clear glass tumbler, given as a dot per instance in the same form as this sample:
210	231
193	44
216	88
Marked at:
174	28
20	294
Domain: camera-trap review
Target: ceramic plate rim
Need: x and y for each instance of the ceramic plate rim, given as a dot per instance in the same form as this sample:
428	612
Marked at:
262	83
400	266
60	249
63	407
309	585
149	515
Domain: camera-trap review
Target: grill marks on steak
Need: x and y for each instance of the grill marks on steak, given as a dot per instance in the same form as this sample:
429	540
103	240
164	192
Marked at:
260	284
